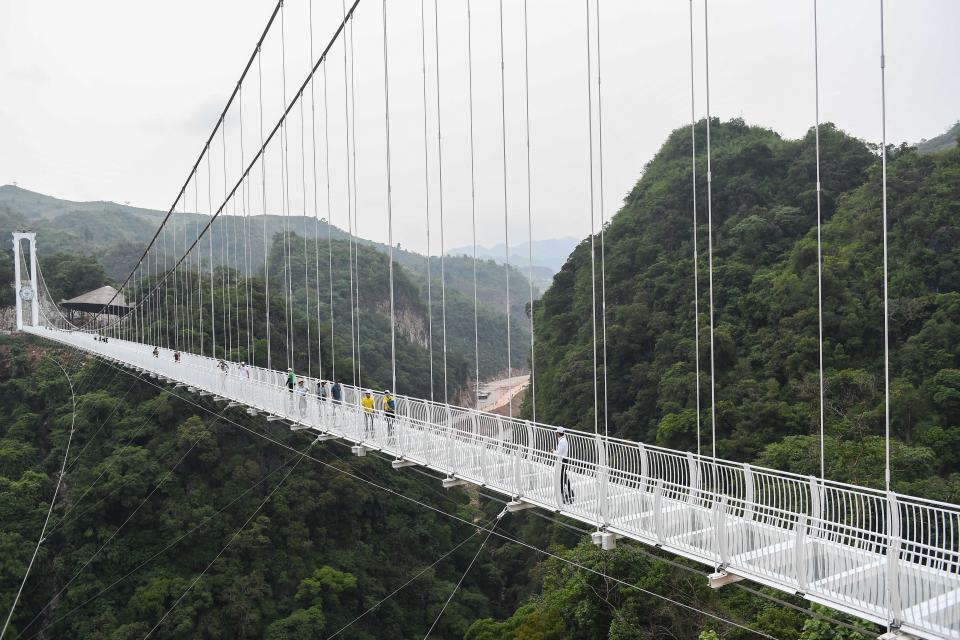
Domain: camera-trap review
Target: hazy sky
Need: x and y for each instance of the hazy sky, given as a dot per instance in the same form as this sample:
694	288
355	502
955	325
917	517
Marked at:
113	100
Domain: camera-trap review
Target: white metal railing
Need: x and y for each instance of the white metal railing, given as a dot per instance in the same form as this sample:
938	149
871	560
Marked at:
884	557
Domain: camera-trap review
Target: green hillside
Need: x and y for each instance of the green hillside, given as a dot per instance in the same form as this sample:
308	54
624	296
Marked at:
116	234
328	546
946	140
764	213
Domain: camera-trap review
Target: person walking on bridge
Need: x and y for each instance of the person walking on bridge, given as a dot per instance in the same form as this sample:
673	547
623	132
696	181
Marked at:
562	452
301	394
336	394
389	411
323	393
291	379
368	409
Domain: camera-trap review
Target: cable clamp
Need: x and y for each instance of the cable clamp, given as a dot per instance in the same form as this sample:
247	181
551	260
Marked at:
502	513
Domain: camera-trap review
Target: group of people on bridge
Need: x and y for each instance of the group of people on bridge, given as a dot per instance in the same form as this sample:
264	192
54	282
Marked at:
330	393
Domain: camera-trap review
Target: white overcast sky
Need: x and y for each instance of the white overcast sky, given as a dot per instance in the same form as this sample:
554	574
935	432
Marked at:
113	99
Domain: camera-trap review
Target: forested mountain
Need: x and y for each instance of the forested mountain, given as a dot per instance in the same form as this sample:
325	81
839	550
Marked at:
157	486
946	140
113	236
765	291
320	550
149	470
117	234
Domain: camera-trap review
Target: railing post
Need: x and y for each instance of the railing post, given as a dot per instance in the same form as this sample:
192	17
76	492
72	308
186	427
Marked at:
800	551
893	559
720	529
448	430
658	510
694	471
480	444
644	468
748	493
516	459
603	475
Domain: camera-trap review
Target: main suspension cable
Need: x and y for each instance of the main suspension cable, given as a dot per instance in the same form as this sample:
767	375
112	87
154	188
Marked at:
260	152
196	165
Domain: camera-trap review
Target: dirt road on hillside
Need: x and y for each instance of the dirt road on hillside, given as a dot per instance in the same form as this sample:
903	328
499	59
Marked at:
502	391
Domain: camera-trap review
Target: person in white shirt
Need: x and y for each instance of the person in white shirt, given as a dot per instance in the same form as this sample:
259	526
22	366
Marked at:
301	394
243	372
562	451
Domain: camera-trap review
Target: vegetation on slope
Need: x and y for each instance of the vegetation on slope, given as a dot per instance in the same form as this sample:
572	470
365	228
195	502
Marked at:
765	292
323	548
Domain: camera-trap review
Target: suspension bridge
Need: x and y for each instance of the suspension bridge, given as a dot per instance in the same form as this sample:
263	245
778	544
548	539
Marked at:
879	555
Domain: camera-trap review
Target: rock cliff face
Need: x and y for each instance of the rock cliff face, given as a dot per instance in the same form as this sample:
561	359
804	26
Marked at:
410	322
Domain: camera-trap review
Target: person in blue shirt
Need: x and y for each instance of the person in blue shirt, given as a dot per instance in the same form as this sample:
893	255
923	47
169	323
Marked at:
336	392
389	411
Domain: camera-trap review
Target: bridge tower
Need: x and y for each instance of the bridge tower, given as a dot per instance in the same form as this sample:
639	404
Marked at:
26	292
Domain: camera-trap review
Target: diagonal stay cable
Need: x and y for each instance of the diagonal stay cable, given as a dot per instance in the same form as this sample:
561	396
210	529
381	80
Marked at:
469	566
53	501
230	541
408	582
103	472
103	423
113	535
499	534
165	549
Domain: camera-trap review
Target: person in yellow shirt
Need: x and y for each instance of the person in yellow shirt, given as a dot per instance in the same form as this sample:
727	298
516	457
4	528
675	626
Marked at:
368	408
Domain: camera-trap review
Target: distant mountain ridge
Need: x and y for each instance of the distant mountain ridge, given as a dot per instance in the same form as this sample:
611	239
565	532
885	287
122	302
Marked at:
549	255
116	235
946	140
550	252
